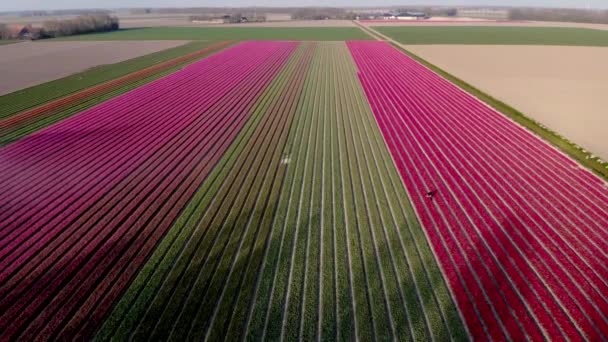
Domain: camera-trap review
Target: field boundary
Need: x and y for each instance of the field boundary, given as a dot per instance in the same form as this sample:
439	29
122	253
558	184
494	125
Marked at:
563	144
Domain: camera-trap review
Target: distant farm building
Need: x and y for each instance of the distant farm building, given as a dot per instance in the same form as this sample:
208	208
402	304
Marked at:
405	16
23	32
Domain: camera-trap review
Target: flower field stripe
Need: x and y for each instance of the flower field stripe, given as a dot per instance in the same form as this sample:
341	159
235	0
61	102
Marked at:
13	200
424	324
369	259
537	240
566	218
171	244
85	235
303	230
10	152
254	167
21	124
159	88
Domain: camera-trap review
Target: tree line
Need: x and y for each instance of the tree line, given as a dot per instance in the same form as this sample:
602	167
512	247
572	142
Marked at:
65	27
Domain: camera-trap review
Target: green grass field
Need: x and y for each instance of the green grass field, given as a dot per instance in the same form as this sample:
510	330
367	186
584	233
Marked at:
6	42
230	33
302	231
489	35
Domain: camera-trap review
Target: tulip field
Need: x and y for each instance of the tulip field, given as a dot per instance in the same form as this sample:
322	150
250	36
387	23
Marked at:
519	230
283	190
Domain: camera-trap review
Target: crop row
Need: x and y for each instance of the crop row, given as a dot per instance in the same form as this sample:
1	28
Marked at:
302	231
517	227
31	120
87	200
201	249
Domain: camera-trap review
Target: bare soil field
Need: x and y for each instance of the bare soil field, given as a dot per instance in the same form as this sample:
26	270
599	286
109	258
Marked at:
31	63
563	88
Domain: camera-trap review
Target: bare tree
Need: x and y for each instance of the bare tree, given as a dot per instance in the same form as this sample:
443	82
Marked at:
4	33
80	25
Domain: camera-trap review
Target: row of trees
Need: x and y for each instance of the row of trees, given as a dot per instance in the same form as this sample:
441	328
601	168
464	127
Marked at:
4	32
80	25
320	13
59	28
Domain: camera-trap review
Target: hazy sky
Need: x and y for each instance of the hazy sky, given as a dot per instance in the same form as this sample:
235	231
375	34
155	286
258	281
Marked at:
12	5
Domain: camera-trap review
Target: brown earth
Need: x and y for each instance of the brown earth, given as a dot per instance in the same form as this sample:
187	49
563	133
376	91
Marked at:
563	88
31	63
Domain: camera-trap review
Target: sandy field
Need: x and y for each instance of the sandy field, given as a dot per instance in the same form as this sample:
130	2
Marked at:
30	63
564	88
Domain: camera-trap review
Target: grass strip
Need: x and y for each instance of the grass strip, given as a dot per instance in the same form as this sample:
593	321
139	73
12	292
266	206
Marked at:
229	33
496	35
7	42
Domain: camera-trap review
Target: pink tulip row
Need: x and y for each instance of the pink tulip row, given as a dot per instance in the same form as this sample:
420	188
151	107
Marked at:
520	230
85	201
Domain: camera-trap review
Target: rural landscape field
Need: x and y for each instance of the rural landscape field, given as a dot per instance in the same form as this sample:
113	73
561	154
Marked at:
295	180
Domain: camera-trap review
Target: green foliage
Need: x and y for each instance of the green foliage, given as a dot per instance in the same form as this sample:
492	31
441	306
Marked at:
230	33
495	35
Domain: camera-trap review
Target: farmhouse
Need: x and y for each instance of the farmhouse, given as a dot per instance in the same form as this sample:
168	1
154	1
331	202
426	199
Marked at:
405	16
